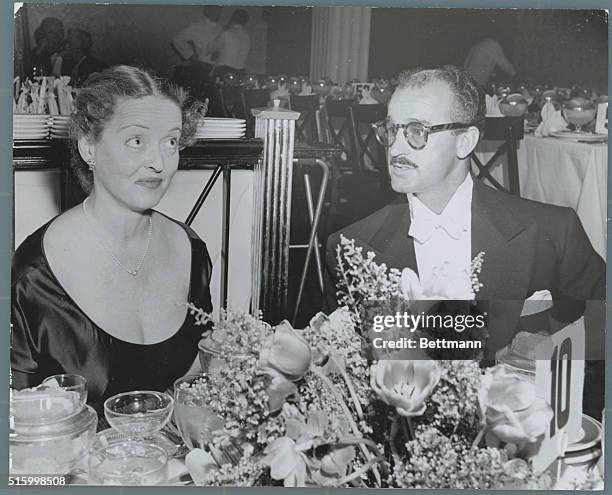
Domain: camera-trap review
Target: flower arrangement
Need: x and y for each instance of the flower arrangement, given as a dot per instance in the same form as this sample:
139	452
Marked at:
310	408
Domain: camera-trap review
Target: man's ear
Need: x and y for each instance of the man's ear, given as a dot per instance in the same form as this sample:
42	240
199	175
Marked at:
86	149
467	141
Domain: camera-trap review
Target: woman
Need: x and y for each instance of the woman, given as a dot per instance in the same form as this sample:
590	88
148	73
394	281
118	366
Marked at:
97	290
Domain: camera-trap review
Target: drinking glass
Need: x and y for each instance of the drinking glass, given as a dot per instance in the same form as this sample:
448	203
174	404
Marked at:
70	383
195	419
128	463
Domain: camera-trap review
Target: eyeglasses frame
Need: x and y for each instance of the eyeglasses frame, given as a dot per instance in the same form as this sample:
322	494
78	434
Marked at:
429	129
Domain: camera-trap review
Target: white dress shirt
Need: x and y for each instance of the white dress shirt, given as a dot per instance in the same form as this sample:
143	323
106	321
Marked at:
234	46
443	241
201	34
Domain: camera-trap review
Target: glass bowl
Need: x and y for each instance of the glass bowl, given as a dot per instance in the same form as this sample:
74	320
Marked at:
128	463
139	412
70	383
579	112
514	105
53	448
43	406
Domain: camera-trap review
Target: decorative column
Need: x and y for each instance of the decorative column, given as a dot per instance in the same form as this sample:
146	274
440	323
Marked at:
340	43
272	215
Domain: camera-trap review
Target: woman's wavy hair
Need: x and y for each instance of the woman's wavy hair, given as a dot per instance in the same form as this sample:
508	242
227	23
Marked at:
97	99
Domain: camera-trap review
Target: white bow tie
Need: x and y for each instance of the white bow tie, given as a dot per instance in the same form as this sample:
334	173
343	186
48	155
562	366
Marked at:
422	230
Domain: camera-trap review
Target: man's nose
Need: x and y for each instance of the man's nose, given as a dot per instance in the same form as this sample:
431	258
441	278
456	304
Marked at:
399	146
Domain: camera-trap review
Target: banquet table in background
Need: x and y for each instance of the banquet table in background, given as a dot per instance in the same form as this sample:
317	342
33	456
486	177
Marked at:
563	173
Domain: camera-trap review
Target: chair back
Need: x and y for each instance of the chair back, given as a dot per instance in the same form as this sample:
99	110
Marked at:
338	123
253	98
508	130
216	99
366	148
306	128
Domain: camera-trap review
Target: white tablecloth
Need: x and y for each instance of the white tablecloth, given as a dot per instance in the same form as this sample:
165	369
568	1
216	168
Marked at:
564	173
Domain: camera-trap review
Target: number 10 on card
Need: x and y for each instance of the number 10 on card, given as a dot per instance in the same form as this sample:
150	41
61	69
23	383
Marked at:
560	380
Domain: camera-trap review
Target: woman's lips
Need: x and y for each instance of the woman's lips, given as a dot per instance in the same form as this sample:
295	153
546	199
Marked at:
149	183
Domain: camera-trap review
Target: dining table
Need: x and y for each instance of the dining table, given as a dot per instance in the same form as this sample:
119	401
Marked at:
562	172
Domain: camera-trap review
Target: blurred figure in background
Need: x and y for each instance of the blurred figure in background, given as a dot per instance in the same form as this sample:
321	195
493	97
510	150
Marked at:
45	59
484	57
233	45
193	41
79	62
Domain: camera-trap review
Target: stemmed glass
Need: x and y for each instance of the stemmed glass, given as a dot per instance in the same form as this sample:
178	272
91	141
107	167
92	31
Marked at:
195	419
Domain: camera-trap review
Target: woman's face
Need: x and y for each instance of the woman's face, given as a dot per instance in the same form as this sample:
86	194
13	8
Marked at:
137	153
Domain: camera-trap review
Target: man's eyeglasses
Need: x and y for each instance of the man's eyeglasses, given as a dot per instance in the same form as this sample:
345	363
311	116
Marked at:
415	133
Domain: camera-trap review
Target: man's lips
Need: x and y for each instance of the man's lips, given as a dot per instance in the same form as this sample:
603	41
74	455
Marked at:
402	162
150	183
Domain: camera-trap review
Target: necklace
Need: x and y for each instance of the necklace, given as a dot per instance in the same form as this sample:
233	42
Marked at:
117	261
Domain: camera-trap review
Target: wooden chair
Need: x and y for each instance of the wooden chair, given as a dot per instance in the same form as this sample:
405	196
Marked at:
306	128
510	131
253	98
366	149
216	99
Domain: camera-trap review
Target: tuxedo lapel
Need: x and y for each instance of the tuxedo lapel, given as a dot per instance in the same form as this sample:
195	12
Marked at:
506	242
391	241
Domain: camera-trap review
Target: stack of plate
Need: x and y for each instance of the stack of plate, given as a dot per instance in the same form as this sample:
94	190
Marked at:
219	128
59	126
30	126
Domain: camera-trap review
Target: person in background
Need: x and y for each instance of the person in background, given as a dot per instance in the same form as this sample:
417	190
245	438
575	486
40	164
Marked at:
193	41
484	57
45	58
99	290
233	45
79	62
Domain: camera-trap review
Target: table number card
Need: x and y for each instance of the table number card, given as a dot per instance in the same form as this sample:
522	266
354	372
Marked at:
601	122
560	380
358	89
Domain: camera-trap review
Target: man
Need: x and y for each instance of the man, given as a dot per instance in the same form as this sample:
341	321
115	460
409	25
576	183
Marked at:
193	41
484	57
434	123
233	45
44	58
79	62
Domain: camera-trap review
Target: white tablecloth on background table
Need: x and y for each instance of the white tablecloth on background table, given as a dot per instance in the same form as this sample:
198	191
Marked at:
563	173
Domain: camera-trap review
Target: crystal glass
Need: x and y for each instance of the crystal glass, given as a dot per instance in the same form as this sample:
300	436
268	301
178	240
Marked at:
128	463
514	105
580	112
195	419
140	412
70	383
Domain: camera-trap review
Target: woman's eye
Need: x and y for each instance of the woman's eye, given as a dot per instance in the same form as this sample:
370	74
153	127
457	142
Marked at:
172	143
135	142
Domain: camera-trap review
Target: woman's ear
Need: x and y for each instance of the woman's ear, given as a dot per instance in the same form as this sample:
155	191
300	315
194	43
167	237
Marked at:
467	141
87	149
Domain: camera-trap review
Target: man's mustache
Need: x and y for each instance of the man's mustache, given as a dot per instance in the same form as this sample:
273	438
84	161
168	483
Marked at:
402	161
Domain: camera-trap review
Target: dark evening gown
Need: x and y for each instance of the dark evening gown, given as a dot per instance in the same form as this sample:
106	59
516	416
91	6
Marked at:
52	335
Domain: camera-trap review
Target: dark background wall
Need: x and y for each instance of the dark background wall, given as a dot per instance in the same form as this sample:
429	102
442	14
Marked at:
288	50
560	47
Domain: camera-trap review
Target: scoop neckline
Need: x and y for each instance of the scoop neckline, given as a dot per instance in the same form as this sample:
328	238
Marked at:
76	305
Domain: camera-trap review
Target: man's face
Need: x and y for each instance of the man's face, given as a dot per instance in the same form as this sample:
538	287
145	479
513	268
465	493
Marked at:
433	167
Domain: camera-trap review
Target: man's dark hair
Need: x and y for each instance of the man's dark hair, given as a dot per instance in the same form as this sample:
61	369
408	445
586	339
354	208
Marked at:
240	16
213	12
469	105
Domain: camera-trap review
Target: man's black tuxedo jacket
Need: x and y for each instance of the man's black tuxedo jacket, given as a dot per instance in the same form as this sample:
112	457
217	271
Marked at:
528	246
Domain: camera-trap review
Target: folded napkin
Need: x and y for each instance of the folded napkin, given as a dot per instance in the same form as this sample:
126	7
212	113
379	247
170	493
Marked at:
539	301
493	106
306	90
552	121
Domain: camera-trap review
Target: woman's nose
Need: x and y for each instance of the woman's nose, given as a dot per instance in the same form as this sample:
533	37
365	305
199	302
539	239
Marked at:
155	161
